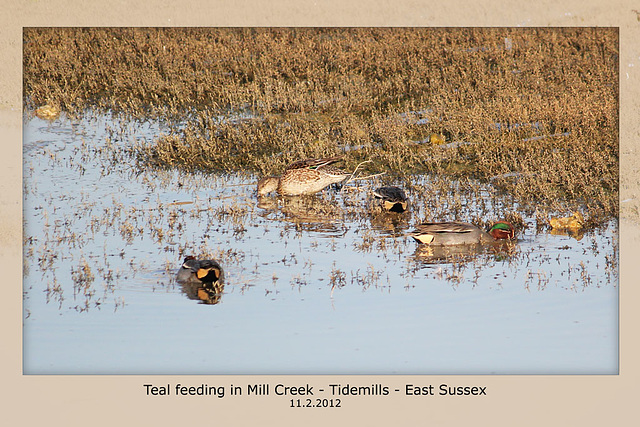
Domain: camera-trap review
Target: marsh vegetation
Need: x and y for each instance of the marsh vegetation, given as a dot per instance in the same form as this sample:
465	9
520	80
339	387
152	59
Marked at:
153	140
533	111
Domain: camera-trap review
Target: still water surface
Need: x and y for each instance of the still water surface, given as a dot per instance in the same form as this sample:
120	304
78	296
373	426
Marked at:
312	287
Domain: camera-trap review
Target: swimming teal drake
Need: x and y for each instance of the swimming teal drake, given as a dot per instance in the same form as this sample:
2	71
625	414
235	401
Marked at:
391	199
205	271
461	233
304	177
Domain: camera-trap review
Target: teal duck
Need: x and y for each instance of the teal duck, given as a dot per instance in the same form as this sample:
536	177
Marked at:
391	199
200	271
304	177
461	233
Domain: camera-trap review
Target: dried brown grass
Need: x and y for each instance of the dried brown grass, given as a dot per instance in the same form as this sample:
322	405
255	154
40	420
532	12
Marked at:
534	111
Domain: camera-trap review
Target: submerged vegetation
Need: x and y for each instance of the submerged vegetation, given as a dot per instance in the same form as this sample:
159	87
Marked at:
532	111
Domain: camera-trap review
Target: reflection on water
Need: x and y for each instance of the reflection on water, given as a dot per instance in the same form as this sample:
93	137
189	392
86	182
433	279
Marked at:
308	280
428	254
205	293
308	213
391	224
576	234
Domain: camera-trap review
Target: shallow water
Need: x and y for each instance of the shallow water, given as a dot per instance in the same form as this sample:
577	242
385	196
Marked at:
314	285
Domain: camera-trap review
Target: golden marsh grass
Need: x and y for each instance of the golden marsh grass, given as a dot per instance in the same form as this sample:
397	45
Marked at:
533	111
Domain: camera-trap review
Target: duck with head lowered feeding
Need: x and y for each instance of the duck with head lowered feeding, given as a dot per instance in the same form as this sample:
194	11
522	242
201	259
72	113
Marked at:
461	233
201	279
304	177
391	199
204	271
